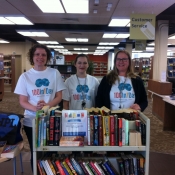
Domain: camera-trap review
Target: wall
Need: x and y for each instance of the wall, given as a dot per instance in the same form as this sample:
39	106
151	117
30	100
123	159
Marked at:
20	48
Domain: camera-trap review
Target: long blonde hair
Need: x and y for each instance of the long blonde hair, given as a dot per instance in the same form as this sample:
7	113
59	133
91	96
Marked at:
114	74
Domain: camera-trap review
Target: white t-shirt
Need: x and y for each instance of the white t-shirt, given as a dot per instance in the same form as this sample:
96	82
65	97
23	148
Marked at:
77	89
122	94
38	85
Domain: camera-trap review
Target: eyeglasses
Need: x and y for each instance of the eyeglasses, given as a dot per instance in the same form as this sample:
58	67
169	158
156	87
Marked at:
84	63
38	54
122	59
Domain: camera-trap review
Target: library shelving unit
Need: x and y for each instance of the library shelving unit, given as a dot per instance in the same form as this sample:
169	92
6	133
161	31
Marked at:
7	69
171	67
1	76
144	150
65	70
100	68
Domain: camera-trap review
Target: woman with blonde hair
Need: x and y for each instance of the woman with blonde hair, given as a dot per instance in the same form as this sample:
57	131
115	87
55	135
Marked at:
122	88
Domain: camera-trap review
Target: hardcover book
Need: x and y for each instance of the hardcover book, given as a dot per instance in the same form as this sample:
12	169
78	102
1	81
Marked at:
72	141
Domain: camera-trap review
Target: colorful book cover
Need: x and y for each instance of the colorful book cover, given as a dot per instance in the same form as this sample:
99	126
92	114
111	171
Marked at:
51	130
71	141
96	130
92	130
100	130
74	123
112	130
106	131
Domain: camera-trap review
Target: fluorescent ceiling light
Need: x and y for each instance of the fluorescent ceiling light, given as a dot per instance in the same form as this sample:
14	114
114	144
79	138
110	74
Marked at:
61	50
149	48
19	20
37	34
48	42
104	47
172	37
53	46
51	6
109	35
151	44
108	43
122	36
78	6
82	39
119	22
71	39
4	41
80	48
5	21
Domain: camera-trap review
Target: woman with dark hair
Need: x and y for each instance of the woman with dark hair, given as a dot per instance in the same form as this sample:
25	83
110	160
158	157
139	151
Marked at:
81	87
122	88
38	87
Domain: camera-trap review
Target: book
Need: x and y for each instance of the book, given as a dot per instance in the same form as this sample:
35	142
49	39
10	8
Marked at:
121	166
10	151
108	168
100	130
71	141
92	130
67	167
78	167
67	160
95	130
45	167
89	129
112	130
60	168
83	167
57	130
2	146
48	167
106	131
134	138
51	128
40	168
100	163
91	167
119	131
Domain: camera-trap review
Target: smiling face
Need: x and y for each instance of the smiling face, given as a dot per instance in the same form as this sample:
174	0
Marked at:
122	63
40	59
81	66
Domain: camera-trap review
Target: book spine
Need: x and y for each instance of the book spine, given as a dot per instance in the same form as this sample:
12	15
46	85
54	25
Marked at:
92	168
108	168
120	131
83	168
121	166
112	167
126	132
51	166
88	168
106	131
58	164
103	168
123	131
44	134
89	130
95	168
78	167
55	167
48	166
39	132
116	129
142	172
51	130
143	133
56	131
70	166
92	130
67	168
45	167
64	169
47	132
100	130
95	130
99	168
112	131
39	167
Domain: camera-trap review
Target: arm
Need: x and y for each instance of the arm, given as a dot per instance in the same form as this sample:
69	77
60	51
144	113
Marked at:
65	104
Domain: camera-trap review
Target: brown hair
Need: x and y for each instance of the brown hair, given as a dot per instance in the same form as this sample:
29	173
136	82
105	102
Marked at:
81	55
114	74
32	50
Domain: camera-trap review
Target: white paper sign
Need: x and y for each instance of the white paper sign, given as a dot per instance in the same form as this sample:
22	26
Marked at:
74	123
163	76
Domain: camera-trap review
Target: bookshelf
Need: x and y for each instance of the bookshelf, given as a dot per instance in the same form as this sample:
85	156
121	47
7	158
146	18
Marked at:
100	68
65	70
171	67
1	76
144	150
7	70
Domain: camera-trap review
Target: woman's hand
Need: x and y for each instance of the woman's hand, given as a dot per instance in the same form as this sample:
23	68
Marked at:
135	106
40	104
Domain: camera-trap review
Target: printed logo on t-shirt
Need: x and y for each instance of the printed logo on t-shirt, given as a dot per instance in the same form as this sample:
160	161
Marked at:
39	83
82	93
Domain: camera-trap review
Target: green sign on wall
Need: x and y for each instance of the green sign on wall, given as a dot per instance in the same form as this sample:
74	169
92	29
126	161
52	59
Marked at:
142	26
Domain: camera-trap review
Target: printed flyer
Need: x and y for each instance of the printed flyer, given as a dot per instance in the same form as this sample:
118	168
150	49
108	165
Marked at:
74	123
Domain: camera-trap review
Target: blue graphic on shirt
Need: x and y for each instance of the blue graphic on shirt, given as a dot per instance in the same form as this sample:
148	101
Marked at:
82	88
123	86
42	82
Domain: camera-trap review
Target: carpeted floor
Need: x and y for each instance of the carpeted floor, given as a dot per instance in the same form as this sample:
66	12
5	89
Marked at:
160	141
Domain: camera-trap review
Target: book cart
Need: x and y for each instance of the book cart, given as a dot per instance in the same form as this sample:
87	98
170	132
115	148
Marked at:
144	150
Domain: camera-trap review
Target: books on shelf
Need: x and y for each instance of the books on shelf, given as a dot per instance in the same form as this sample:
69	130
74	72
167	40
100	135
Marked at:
72	141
